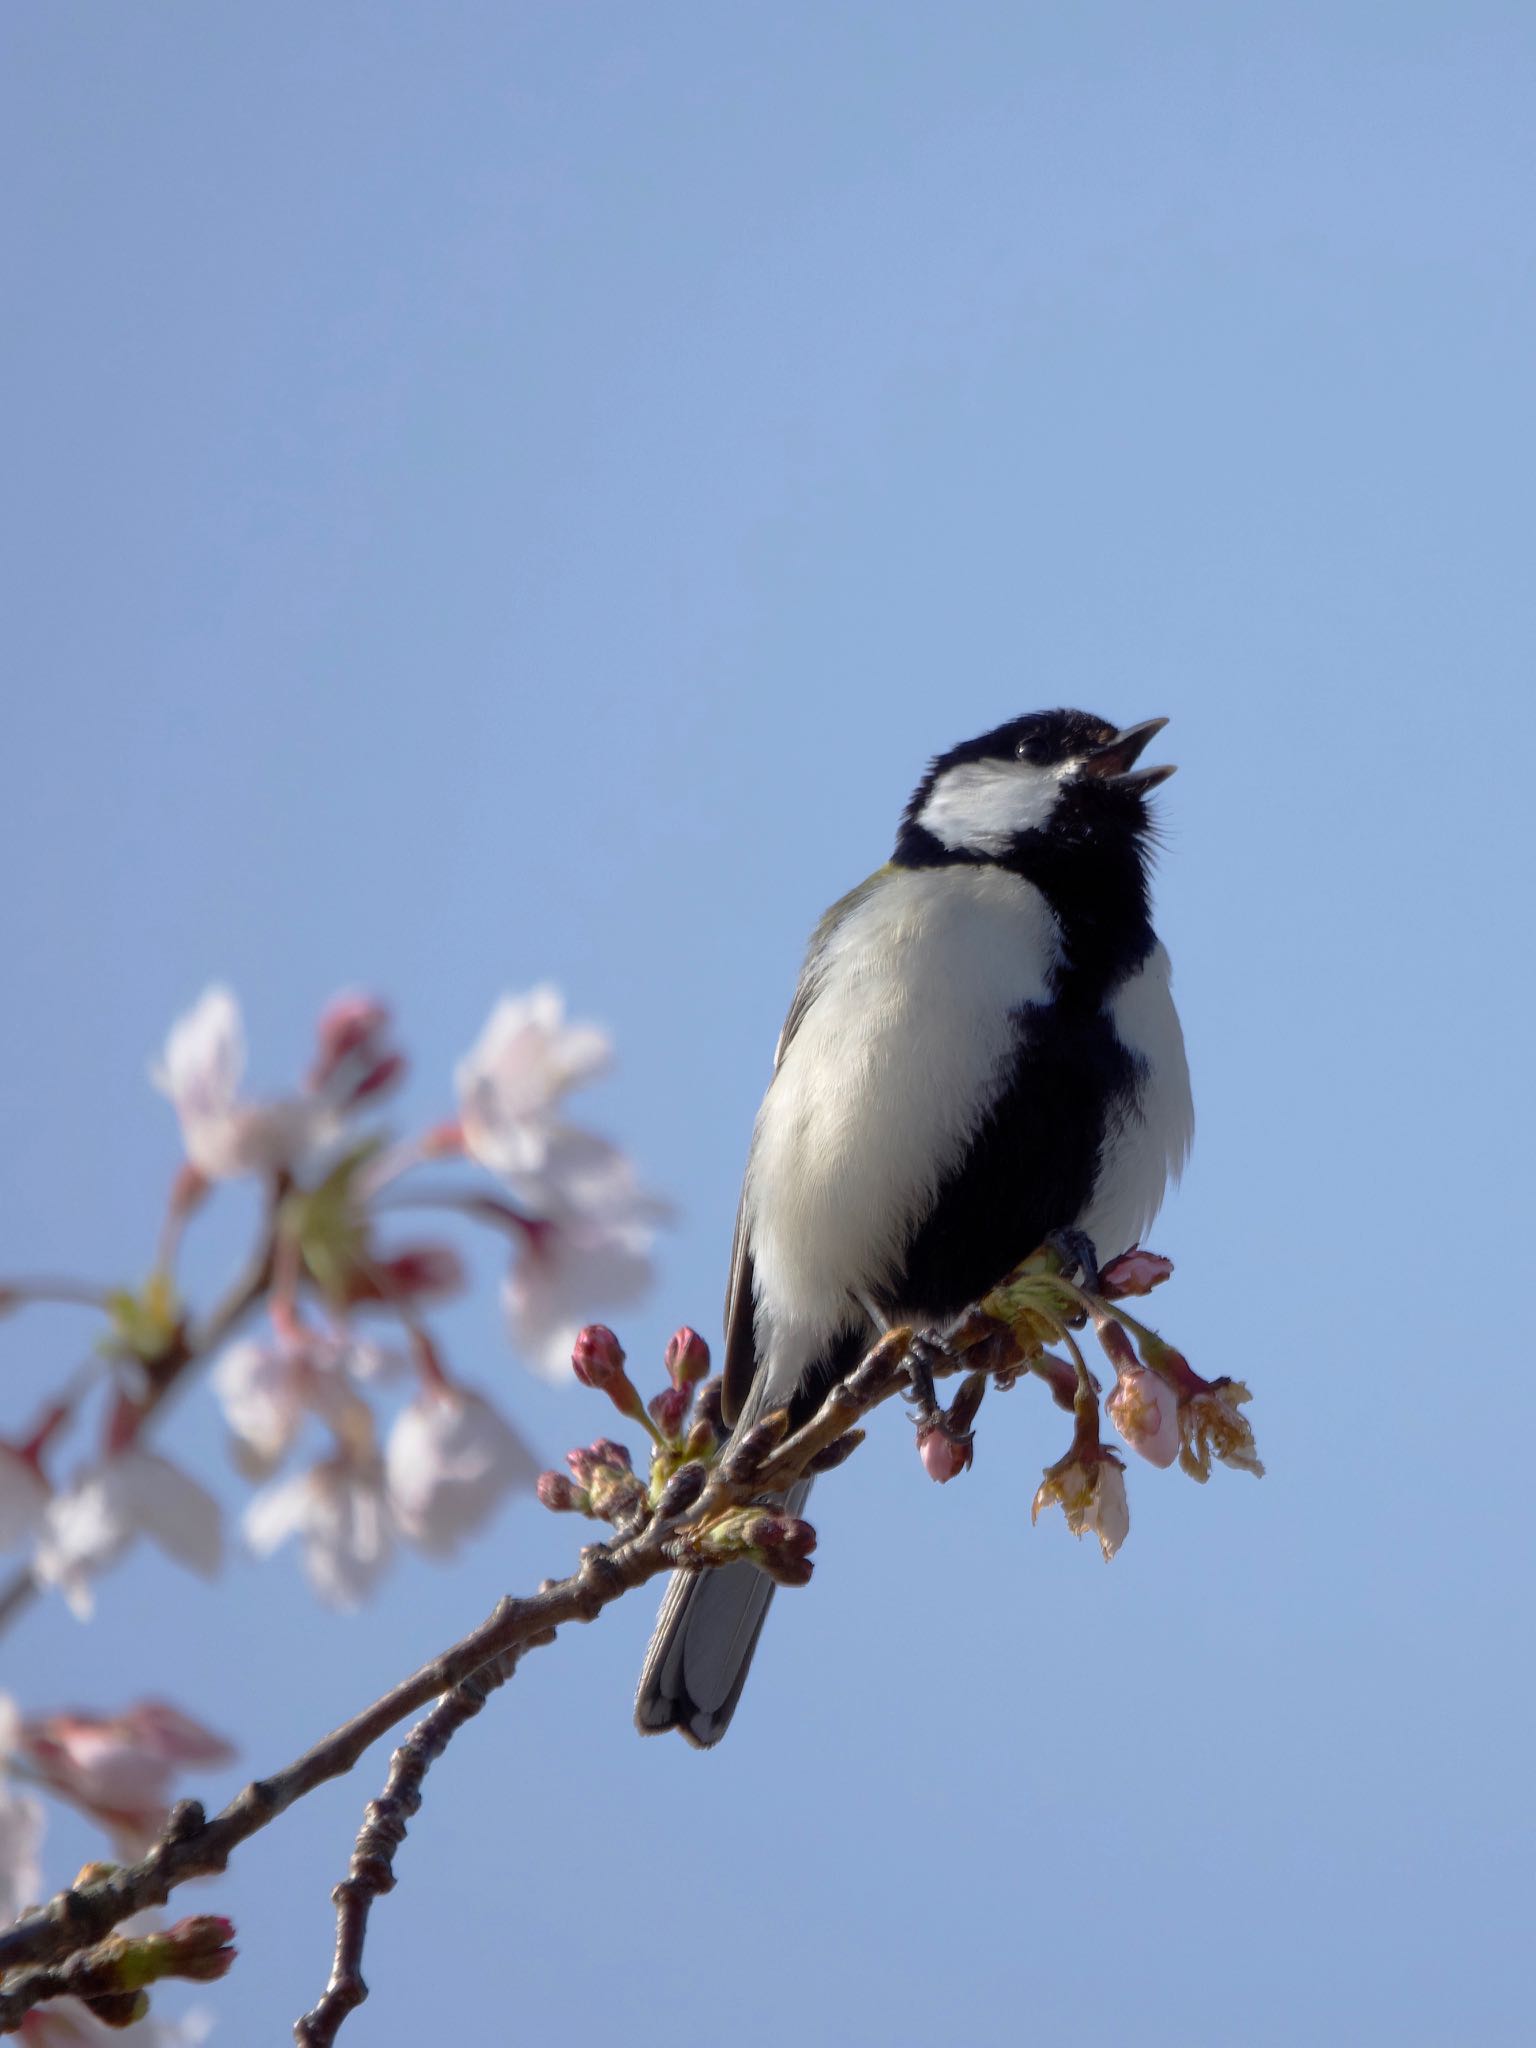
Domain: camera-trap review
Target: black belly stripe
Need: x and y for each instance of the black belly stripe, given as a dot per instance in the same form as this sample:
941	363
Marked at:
1032	1165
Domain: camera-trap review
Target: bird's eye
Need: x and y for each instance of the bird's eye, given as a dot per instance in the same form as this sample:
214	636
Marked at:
1021	751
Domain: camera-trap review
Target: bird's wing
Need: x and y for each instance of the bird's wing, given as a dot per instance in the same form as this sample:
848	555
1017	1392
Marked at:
740	1366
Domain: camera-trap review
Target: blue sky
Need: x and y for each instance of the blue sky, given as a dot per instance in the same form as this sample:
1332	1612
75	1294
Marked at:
502	492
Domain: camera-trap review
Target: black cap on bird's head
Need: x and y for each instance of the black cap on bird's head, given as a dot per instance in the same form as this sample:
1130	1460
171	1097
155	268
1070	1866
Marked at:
1036	788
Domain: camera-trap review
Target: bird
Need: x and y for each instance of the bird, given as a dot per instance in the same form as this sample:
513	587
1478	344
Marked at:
982	1055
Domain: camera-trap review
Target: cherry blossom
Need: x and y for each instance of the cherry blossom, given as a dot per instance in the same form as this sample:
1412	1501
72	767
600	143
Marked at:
225	1135
101	1516
523	1063
120	1767
339	1512
591	1251
1091	1494
1145	1410
269	1390
24	1497
560	1274
450	1460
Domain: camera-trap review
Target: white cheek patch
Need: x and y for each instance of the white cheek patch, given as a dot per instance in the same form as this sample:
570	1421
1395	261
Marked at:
981	805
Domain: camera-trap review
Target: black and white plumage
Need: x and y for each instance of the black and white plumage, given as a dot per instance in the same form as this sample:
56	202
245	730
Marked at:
982	1050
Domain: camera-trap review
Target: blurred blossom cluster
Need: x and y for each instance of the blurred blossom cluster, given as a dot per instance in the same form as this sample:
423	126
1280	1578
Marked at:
341	1406
118	1770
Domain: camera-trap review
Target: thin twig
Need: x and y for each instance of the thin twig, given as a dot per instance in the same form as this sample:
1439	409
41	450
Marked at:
190	1348
195	1846
372	1872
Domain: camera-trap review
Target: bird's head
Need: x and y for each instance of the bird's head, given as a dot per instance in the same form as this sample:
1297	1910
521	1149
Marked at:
1042	788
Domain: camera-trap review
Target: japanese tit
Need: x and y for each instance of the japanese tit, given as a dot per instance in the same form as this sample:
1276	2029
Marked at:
982	1051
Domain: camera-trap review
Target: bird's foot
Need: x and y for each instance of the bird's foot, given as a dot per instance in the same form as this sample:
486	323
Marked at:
924	1354
1079	1256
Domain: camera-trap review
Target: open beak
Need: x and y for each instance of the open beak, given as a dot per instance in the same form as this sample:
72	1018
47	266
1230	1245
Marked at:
1116	760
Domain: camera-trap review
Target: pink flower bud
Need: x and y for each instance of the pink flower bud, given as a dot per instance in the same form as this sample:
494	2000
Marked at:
687	1358
597	1358
558	1495
1134	1272
784	1546
944	1457
604	1451
197	1948
353	1058
669	1410
1145	1410
422	1272
603	1456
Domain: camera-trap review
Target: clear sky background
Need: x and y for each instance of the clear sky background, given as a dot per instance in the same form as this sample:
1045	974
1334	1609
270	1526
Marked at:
497	492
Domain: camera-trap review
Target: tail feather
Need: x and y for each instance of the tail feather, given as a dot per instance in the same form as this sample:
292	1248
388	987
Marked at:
702	1649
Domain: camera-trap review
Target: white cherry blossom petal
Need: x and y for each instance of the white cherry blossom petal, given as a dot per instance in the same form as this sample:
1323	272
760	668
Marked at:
225	1135
524	1062
340	1515
90	1525
450	1461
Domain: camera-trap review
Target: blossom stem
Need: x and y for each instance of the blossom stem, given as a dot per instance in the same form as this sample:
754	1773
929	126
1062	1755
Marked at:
53	1288
487	1209
191	1348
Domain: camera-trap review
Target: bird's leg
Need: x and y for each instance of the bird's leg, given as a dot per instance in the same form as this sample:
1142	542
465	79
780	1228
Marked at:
923	1354
1079	1255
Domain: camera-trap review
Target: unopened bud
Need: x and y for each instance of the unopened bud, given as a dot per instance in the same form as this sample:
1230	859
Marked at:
681	1491
944	1456
597	1356
784	1545
669	1410
1134	1272
756	1445
597	1359
701	1441
603	1456
832	1455
687	1358
962	1411
559	1495
1145	1410
882	1362
198	1948
353	1058
708	1405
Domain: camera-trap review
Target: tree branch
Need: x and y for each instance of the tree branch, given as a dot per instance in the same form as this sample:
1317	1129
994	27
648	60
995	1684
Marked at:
195	1846
704	1508
372	1869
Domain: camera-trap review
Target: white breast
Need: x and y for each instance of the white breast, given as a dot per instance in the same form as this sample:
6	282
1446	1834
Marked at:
884	1084
1150	1141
